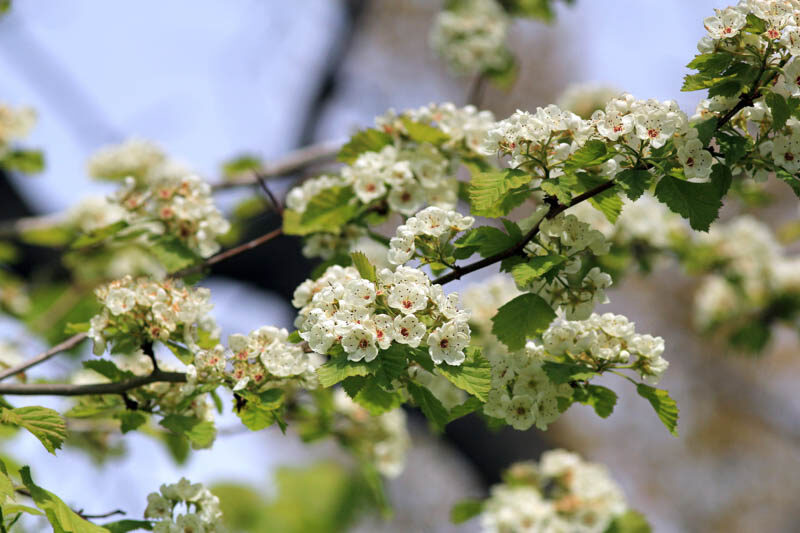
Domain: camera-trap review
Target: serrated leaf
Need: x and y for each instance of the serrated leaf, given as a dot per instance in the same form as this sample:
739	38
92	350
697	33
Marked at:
200	433
591	154
699	202
629	522
567	372
376	400
486	240
524	316
391	364
338	369
634	182
61	517
45	424
755	25
99	235
369	140
561	188
664	405
601	398
728	88
474	375
465	510
711	63
431	407
329	210
173	254
364	267
536	267
780	110
494	194
607	202
424	133
733	146
130	420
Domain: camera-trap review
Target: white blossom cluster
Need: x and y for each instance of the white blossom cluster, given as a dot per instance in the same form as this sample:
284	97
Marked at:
202	511
161	194
15	124
383	439
522	394
471	37
562	493
94	212
265	357
148	311
604	341
431	227
749	271
342	309
782	18
567	236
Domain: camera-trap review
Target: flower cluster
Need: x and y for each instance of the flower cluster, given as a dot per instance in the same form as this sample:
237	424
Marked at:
604	341
15	124
522	394
161	194
428	229
202	511
265	357
139	311
560	493
342	309
383	440
471	36
565	235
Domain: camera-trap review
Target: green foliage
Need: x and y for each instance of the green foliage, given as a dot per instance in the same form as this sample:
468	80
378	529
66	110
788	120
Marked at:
779	108
535	267
61	517
664	405
130	420
629	522
591	154
567	372
338	369
537	9
374	399
634	182
241	164
123	526
45	424
699	202
431	407
474	375
326	212
485	240
524	316
607	202
108	369
260	409
364	267
200	433
173	253
99	235
424	133
602	399
495	194
465	510
25	161
369	140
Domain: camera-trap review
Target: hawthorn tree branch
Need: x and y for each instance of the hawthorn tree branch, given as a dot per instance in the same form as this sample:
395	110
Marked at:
214	259
66	389
44	356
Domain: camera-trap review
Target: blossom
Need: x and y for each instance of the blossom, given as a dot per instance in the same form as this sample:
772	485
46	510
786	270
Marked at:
696	160
725	24
447	342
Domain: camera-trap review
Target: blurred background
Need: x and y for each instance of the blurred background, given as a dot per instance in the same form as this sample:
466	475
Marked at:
210	80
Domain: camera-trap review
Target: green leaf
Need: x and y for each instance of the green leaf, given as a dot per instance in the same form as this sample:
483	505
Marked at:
424	133
130	420
706	129
200	433
45	424
591	154
524	316
5	6
108	369
779	108
486	240
567	372
711	63
184	354
61	517
369	140
537	9
607	202
339	368
364	267
123	526
465	510
391	364
489	190
431	407
722	178
727	88
536	267
699	202
634	182
294	337
755	25
470	405
330	209
259	410
25	161
601	398
376	400
505	74
171	252
47	236
241	164
99	235
629	522
664	405
733	146
474	375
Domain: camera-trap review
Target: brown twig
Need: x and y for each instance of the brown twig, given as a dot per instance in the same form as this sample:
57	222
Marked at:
249	245
44	356
66	389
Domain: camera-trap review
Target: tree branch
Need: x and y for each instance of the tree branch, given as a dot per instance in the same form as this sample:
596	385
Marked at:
249	245
66	389
41	358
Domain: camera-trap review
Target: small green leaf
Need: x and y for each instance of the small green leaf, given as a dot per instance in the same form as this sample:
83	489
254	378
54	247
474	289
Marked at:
524	316
755	25
779	108
607	202
294	337
711	63
534	268
364	267
339	368
171	252
601	398
330	209
45	424
699	202
124	526
99	235
470	405
424	133
130	420
184	354
376	400
629	522
474	375
591	154
200	433
706	129
567	372
369	140
493	194
25	161
634	182
465	510
108	369
259	410
241	164
431	407
664	405
486	240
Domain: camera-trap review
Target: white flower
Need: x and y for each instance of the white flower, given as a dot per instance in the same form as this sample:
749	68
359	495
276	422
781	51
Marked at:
408	297
408	330
359	343
696	160
786	152
447	342
725	24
